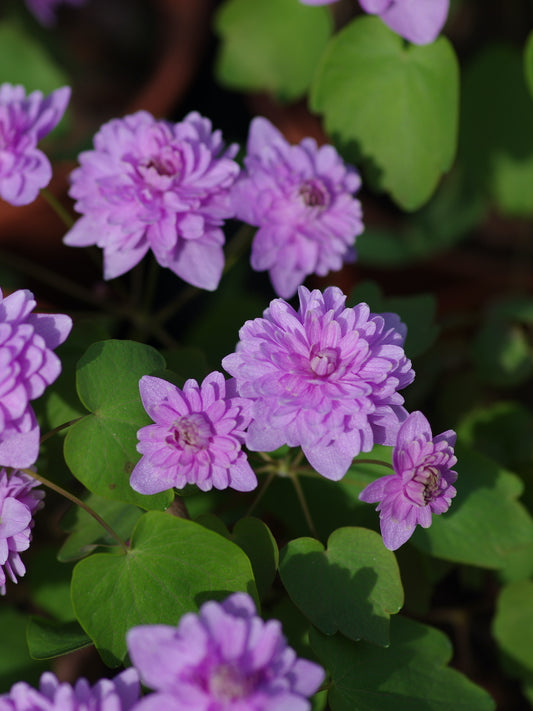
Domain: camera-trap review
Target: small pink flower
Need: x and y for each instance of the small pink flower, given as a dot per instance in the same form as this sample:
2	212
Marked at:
421	484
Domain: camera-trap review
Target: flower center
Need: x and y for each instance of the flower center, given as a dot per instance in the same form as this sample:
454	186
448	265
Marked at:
323	361
192	431
227	683
168	162
314	193
429	478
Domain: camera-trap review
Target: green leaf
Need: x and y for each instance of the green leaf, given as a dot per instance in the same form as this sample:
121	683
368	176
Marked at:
258	51
100	450
356	572
256	540
87	534
410	675
391	103
47	639
24	61
15	660
513	627
496	141
485	523
173	566
49	582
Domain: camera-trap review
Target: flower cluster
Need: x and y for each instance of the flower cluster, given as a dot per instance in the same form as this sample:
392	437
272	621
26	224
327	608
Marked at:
325	377
19	500
118	694
156	185
24	121
300	198
226	658
27	365
418	21
45	10
421	484
196	438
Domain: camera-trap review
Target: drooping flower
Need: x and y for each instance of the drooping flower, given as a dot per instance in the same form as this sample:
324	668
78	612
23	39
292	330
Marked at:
118	694
421	484
419	21
27	366
24	121
19	500
196	438
152	184
225	658
325	377
301	199
45	10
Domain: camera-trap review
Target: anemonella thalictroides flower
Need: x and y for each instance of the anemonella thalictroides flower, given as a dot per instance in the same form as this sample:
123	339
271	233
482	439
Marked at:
27	366
225	658
421	484
118	694
19	500
419	21
151	184
325	377
301	199
24	121
196	438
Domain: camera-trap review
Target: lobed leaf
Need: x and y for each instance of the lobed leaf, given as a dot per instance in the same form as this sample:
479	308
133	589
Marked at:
392	104
355	572
410	675
173	566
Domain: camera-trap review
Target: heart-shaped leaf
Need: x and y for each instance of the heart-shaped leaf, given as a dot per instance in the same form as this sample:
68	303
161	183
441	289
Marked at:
173	566
352	587
391	103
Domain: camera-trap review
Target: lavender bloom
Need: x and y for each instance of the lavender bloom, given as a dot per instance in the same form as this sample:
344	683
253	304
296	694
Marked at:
196	439
421	484
45	10
324	377
118	694
419	21
19	500
226	658
27	365
300	198
24	121
156	185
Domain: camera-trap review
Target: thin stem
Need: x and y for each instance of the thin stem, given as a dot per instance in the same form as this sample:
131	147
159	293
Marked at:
60	427
303	503
259	496
373	461
57	207
82	504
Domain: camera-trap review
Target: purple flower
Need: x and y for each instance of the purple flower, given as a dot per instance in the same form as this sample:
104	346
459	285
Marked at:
24	121
118	694
156	185
19	500
196	439
421	484
300	198
45	10
418	21
27	365
226	658
324	377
